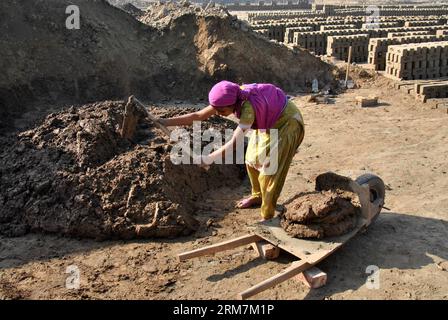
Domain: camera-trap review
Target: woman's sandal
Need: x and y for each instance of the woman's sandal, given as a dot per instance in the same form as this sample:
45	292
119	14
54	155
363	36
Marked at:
249	203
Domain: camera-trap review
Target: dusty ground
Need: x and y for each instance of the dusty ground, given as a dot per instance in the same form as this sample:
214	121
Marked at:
402	141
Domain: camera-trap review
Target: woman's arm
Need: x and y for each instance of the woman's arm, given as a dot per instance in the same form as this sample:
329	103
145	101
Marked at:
187	119
247	118
228	147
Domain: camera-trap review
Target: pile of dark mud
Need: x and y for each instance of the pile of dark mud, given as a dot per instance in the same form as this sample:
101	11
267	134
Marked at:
75	175
321	214
113	55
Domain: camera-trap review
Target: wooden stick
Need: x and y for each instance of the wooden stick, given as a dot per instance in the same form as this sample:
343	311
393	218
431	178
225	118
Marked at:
165	130
348	64
129	121
222	246
294	269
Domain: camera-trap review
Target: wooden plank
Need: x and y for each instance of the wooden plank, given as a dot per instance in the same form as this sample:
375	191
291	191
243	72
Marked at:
348	65
311	250
218	247
294	269
129	123
165	130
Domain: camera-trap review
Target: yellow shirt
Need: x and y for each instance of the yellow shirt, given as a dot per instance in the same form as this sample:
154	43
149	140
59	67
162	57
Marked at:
247	117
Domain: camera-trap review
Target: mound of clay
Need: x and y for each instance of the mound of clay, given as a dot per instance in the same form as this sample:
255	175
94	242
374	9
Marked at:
160	15
321	214
131	9
75	175
114	55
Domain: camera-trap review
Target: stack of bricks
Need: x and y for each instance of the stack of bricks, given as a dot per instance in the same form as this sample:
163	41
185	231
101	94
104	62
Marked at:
337	27
311	41
436	89
420	23
384	32
408	34
378	47
432	29
316	25
442	32
276	32
418	61
317	41
379	25
265	16
338	47
312	31
264	32
284	31
289	33
387	13
396	12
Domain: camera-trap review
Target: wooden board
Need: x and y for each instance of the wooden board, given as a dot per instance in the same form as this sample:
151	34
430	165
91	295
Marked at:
164	129
218	247
311	251
294	269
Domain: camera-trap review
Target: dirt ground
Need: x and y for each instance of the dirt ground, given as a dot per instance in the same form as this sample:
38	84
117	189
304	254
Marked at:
401	140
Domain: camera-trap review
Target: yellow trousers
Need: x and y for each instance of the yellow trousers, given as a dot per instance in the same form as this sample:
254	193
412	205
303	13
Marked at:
268	186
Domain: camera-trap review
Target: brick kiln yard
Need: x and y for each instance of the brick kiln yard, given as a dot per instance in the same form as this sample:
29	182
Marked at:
402	140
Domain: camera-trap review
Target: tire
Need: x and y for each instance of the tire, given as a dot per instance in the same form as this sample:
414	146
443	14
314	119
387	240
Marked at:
377	190
376	186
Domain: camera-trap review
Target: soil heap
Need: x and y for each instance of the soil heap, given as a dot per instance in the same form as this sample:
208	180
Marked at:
131	9
321	214
75	175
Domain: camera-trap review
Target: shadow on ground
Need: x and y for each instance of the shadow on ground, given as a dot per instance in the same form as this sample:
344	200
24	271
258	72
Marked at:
394	241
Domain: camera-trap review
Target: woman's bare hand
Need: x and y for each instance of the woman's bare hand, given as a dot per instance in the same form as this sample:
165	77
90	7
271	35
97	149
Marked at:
205	162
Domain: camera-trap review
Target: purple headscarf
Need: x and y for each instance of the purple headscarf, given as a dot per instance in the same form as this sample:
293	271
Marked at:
267	100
